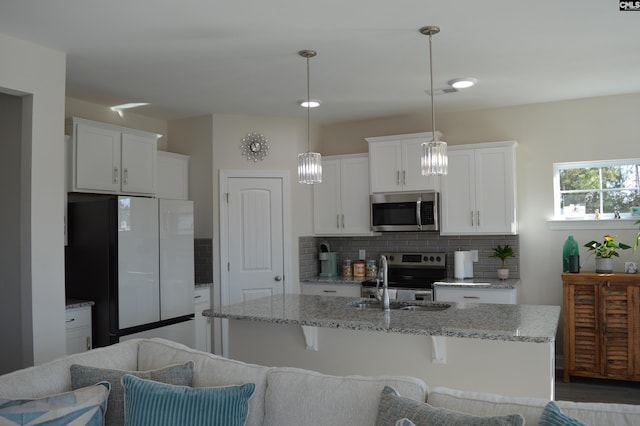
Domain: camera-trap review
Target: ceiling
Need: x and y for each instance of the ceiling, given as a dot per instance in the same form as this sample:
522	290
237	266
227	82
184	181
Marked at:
196	57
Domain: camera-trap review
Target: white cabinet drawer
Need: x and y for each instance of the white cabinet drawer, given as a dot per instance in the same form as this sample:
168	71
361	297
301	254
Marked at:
476	295
322	289
78	317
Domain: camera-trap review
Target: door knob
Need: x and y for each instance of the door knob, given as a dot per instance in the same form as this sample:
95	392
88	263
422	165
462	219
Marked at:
278	278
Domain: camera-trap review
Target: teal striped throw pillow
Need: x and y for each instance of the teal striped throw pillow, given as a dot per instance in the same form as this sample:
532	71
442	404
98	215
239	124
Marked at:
552	416
147	402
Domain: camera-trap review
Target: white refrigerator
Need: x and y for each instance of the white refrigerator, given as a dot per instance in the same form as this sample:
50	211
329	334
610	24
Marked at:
133	256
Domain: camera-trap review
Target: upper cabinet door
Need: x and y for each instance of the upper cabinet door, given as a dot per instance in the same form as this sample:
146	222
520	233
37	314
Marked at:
413	180
173	176
385	166
479	192
96	159
326	199
139	163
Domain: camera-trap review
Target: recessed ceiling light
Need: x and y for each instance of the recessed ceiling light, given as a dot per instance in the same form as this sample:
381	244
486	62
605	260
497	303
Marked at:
463	83
313	103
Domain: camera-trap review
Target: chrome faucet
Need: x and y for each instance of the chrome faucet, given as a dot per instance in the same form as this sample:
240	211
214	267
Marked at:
383	274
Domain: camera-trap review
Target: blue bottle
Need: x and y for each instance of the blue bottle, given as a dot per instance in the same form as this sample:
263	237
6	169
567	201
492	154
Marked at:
570	248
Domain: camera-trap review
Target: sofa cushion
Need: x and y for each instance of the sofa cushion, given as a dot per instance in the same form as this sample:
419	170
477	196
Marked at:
394	407
159	404
81	407
81	376
209	370
294	396
53	377
484	404
553	416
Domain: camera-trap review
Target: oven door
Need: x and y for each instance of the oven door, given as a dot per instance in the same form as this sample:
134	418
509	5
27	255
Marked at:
404	212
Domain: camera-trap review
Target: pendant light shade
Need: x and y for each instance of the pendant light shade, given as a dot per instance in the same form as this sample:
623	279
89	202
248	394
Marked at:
434	154
309	163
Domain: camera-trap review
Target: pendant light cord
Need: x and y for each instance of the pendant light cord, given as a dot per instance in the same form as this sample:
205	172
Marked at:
433	110
308	108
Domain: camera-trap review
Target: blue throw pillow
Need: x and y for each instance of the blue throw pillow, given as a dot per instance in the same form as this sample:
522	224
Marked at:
80	407
552	416
152	403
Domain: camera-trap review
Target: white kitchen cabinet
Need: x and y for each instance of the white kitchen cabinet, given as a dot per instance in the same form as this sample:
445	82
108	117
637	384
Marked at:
395	165
341	201
479	193
331	289
203	324
476	295
111	159
78	329
173	176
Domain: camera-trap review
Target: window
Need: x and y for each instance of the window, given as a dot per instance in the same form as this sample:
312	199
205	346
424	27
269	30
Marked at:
612	188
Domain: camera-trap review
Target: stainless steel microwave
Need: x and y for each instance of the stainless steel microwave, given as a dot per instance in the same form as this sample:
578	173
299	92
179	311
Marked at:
405	211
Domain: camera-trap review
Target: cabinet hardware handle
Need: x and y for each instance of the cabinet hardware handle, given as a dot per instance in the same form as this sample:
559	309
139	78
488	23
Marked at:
397	177
404	177
471	297
70	320
330	291
115	174
472	218
342	216
337	221
88	343
126	176
478	216
197	297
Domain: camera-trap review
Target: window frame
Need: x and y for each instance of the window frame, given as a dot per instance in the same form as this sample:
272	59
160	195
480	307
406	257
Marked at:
557	195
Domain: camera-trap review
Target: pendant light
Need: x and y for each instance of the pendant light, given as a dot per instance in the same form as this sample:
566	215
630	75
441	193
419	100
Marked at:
434	153
309	163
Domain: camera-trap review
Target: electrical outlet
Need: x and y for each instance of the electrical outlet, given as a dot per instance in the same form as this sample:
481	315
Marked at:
474	253
362	254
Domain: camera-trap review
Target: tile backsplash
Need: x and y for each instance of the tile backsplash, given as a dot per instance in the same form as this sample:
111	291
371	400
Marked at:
203	258
348	247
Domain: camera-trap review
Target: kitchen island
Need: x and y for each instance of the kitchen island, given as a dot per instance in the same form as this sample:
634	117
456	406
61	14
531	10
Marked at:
507	349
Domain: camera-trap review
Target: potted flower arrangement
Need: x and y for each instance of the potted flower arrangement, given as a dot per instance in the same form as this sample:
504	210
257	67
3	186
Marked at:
503	253
604	251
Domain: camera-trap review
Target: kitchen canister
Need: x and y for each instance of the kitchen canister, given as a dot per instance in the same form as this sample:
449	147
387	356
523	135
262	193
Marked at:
359	268
371	269
347	270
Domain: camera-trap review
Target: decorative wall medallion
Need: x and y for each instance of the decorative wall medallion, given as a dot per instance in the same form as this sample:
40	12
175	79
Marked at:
255	146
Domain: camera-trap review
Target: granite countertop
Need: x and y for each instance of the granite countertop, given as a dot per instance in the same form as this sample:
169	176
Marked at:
479	283
76	303
520	323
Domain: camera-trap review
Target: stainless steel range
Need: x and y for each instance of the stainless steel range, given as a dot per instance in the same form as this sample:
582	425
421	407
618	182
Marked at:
412	271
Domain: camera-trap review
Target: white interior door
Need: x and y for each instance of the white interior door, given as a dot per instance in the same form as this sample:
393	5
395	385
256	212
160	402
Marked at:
255	262
255	250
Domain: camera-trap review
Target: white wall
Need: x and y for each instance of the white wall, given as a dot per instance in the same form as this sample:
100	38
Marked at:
192	136
37	75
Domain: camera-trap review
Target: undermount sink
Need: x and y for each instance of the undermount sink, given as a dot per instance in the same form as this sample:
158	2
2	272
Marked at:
399	305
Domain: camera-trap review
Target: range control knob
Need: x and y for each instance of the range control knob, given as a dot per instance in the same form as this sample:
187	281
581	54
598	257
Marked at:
438	259
432	258
391	258
426	258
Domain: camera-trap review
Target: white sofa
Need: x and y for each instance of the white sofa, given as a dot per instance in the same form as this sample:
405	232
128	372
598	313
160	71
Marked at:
291	396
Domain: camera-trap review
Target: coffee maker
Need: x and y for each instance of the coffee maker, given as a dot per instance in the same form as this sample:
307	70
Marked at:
328	262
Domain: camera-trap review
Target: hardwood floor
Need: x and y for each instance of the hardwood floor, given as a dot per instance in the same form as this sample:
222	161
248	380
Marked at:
581	389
